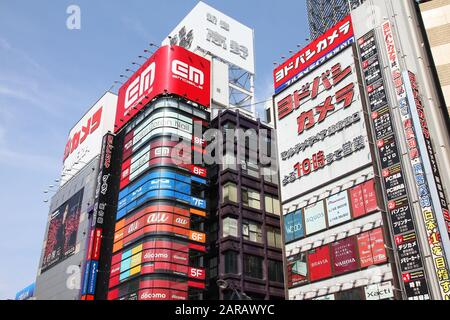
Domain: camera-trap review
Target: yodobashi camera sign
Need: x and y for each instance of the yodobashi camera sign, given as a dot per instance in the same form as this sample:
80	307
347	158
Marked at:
320	126
212	31
85	139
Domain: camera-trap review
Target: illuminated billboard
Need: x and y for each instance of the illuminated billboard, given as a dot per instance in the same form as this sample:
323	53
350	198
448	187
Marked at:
371	248
323	116
344	253
319	263
314	54
162	184
293	226
210	30
297	270
338	208
85	138
315	217
363	199
62	231
171	69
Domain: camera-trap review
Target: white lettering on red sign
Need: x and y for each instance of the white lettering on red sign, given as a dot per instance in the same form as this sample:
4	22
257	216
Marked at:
140	85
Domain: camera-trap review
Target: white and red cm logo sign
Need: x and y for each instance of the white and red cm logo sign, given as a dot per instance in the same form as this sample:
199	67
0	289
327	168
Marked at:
188	73
171	70
140	85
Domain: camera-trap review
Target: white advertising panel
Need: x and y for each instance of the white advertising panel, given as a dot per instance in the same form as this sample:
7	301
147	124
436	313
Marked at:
321	130
85	138
315	217
379	291
211	30
338	208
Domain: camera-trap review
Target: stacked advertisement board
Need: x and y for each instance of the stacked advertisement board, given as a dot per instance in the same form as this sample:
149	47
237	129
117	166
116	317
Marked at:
409	211
399	206
328	189
158	236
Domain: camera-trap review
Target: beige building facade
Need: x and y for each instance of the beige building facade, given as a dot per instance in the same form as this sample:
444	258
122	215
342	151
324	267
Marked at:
436	18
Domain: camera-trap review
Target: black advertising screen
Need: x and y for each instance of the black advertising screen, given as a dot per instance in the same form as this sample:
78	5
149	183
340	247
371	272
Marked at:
388	151
382	122
408	252
62	231
400	213
394	182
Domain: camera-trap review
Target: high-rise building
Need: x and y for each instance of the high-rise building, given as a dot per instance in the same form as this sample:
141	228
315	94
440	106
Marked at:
158	241
362	157
244	237
153	219
229	45
323	14
436	21
72	205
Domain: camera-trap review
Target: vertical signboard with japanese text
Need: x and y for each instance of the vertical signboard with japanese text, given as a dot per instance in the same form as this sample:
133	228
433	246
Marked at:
388	153
102	207
416	153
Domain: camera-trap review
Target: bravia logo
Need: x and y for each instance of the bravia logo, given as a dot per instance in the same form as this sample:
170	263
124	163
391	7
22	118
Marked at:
188	73
140	86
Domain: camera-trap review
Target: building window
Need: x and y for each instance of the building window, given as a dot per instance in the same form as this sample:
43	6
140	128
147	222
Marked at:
251	198
270	175
276	271
213	228
231	262
274	237
272	205
229	161
253	266
268	115
213	267
229	226
250	168
229	192
251	231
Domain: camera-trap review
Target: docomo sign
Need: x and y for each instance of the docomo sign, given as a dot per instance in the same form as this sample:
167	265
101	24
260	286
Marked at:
171	69
314	54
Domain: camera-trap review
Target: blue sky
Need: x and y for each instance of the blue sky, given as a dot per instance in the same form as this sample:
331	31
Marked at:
50	75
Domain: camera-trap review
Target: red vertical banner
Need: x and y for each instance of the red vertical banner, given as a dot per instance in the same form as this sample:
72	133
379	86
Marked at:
371	248
344	255
364	248
319	263
357	200
370	196
378	247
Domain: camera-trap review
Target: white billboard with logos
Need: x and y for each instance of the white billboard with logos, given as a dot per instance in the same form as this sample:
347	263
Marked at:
321	129
85	139
212	31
